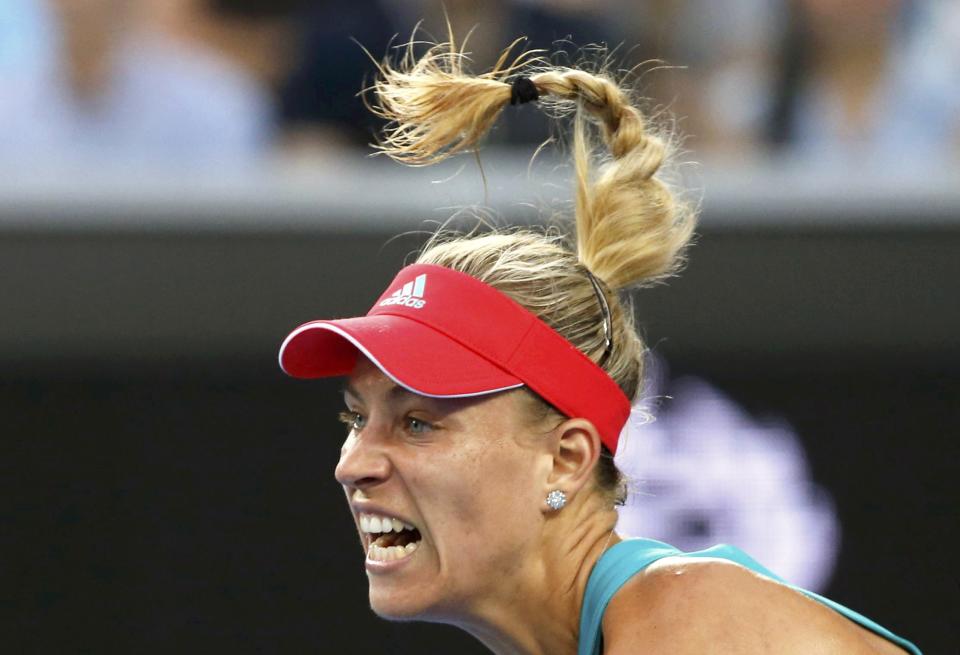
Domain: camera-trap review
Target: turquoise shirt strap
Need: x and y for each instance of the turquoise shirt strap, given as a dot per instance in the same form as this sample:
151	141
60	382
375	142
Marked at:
617	565
627	558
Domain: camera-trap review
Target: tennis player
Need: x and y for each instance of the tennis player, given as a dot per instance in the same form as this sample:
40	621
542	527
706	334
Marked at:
486	392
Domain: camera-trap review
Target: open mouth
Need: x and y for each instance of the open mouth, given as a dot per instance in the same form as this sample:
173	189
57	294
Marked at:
388	538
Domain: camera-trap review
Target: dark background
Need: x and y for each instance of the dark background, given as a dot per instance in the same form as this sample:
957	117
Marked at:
167	489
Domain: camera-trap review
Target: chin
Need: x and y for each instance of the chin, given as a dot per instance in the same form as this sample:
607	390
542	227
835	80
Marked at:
413	605
394	606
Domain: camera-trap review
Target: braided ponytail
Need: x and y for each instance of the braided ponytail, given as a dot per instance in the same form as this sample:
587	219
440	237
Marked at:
630	228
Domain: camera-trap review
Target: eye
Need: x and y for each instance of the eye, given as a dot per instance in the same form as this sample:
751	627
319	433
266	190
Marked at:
418	426
353	420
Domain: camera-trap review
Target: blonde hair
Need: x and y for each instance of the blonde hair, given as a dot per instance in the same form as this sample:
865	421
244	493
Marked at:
630	228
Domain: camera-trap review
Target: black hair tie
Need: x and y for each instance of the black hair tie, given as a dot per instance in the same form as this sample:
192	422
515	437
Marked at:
523	90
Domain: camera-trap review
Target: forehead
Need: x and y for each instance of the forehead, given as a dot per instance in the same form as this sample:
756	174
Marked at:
366	379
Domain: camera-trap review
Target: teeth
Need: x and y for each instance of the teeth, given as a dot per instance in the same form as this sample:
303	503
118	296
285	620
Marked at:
373	524
381	554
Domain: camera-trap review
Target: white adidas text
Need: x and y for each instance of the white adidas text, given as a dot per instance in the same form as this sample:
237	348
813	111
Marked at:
406	301
410	295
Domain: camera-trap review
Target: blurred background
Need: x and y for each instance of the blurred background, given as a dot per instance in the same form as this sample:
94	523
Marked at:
184	181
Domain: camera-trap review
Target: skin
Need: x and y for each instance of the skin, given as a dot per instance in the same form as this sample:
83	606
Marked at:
736	610
91	34
495	560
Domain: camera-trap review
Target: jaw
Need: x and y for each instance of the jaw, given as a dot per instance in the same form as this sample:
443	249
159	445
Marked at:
405	590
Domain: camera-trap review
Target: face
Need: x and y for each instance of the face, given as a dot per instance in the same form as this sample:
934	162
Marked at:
467	474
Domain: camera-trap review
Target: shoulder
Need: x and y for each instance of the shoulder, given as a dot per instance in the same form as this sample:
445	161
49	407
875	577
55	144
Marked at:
686	605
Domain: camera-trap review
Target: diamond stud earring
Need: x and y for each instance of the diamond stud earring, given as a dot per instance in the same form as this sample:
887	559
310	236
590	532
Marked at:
556	499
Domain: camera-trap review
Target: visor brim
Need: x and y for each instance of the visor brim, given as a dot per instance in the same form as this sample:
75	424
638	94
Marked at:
415	356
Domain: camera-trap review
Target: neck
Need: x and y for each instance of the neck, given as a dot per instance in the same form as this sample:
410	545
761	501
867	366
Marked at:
260	48
852	79
537	612
89	46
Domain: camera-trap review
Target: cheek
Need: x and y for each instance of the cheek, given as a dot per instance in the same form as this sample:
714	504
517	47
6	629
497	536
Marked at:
491	500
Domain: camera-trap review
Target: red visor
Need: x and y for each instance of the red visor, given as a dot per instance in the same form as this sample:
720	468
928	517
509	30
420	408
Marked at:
441	333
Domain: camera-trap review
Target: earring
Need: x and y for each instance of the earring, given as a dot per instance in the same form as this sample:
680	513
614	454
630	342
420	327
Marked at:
556	499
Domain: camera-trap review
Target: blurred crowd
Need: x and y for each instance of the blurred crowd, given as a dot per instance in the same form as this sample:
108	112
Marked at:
178	81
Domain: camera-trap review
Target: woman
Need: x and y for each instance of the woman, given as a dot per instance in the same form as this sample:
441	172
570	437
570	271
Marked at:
487	389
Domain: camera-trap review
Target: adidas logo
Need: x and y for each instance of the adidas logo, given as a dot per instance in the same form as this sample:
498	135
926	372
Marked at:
411	295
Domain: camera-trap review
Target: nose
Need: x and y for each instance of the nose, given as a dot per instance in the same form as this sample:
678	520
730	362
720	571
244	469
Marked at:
363	462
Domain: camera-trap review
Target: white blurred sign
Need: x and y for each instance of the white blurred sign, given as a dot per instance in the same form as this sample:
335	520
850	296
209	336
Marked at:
705	472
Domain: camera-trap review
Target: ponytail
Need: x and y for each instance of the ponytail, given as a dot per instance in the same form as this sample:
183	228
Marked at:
631	229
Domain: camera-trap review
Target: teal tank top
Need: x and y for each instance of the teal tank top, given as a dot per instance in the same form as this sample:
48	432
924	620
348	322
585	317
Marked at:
627	558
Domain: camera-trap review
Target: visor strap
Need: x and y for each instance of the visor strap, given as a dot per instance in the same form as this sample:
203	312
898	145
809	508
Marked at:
607	321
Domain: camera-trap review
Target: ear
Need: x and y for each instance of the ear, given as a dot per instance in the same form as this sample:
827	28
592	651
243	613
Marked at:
576	449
